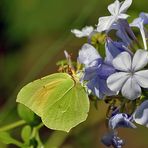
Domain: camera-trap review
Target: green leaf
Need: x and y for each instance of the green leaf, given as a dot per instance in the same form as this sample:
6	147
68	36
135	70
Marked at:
6	138
26	133
58	99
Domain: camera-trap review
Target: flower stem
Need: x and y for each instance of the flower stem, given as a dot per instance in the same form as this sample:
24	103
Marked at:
12	126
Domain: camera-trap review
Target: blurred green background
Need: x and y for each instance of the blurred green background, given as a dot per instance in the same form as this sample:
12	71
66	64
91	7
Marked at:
33	35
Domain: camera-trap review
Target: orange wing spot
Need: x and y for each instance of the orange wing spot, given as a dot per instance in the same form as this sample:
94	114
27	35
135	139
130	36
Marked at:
42	94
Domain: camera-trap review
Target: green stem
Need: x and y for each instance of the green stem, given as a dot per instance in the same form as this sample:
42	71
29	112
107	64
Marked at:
16	142
13	125
56	139
39	126
122	106
36	129
35	134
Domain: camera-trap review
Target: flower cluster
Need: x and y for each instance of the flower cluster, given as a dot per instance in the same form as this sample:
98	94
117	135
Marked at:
118	70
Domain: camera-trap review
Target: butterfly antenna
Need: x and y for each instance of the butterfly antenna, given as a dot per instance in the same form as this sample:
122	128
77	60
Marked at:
71	69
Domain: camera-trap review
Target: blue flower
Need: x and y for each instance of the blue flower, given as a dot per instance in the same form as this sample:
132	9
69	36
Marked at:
124	32
117	142
108	138
121	120
140	22
141	114
111	139
117	11
113	49
130	76
96	71
85	32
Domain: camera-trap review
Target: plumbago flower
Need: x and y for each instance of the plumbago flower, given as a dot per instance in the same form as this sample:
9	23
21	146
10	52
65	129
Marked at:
130	76
117	11
141	114
96	71
117	21
85	32
121	120
113	48
111	139
140	22
124	32
120	76
117	121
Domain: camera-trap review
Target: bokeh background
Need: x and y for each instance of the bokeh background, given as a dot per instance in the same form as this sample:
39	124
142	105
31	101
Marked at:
33	36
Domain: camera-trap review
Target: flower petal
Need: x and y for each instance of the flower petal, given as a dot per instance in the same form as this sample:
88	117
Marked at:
105	70
131	89
140	60
124	31
120	120
99	88
105	23
114	7
126	4
92	71
116	80
111	139
122	62
128	29
88	54
121	33
86	31
139	22
136	22
144	16
108	138
123	16
104	88
113	49
94	86
142	78
141	114
117	142
77	33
